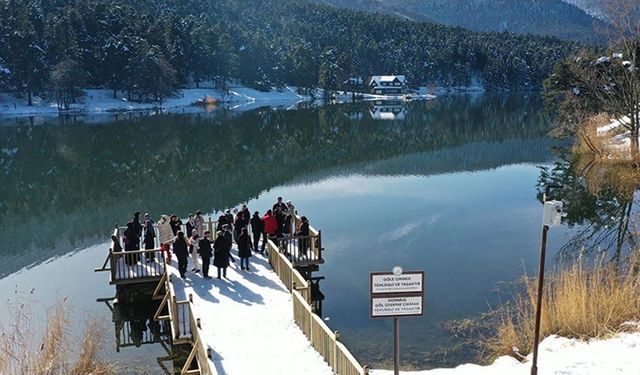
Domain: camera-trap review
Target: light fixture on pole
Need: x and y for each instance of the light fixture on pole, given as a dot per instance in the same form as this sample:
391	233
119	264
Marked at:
551	217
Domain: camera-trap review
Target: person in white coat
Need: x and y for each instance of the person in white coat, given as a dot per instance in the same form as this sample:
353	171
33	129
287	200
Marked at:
193	248
198	221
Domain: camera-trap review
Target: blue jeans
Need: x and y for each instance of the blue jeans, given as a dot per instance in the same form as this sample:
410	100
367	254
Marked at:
243	261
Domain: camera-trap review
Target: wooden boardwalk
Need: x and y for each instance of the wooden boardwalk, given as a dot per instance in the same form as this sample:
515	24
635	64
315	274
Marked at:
257	322
247	322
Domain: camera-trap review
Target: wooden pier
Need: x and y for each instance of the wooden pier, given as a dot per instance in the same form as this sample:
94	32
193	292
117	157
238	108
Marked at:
188	326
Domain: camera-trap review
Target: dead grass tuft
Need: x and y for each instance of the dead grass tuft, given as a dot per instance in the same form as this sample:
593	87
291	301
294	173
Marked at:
579	301
22	353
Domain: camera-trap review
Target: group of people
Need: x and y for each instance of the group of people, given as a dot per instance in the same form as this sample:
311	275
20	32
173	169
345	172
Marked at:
197	242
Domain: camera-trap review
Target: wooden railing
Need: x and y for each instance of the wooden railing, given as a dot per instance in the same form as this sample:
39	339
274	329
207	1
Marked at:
185	327
133	266
321	337
209	225
301	250
324	340
290	277
314	243
200	352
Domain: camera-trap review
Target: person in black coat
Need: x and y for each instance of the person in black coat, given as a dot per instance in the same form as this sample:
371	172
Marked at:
244	248
135	230
204	247
257	227
222	220
222	253
181	250
149	236
176	224
238	225
303	242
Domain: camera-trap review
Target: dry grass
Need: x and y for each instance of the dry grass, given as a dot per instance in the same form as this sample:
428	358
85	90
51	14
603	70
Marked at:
580	301
21	352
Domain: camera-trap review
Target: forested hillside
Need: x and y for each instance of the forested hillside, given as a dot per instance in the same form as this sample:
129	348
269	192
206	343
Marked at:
149	47
540	17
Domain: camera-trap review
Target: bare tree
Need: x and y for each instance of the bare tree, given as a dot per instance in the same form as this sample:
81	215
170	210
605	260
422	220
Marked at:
609	83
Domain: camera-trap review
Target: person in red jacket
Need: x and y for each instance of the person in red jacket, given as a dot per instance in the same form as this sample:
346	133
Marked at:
270	228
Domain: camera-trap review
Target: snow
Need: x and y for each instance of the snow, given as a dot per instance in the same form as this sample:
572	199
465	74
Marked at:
102	101
619	142
247	321
559	355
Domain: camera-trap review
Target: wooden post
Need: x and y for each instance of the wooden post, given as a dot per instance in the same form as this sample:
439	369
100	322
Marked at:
113	264
190	297
210	225
320	245
176	319
336	337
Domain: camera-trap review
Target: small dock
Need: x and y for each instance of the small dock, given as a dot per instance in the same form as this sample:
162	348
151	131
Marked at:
262	321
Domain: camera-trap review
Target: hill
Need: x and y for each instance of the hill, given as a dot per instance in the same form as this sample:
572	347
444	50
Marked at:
541	17
149	48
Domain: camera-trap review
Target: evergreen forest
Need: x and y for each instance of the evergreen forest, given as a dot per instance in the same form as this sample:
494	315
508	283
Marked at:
149	48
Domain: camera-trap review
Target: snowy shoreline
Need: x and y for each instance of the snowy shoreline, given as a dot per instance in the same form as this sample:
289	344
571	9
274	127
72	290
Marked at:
97	101
559	355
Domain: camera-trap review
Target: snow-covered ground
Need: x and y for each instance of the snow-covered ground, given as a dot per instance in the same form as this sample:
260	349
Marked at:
619	138
561	356
99	101
247	321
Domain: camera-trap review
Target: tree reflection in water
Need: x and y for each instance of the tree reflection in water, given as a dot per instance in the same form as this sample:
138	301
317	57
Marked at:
599	199
68	180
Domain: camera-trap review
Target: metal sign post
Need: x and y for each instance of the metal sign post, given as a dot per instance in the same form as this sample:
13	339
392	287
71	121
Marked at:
394	295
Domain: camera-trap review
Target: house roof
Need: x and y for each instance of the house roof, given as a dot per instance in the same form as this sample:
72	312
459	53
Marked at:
400	78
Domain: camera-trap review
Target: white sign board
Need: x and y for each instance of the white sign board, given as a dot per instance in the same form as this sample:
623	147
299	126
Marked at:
390	283
396	306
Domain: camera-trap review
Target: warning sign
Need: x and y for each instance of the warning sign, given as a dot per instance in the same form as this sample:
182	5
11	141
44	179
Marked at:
409	282
396	306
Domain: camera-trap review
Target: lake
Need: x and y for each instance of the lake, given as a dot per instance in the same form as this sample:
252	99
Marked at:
448	186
